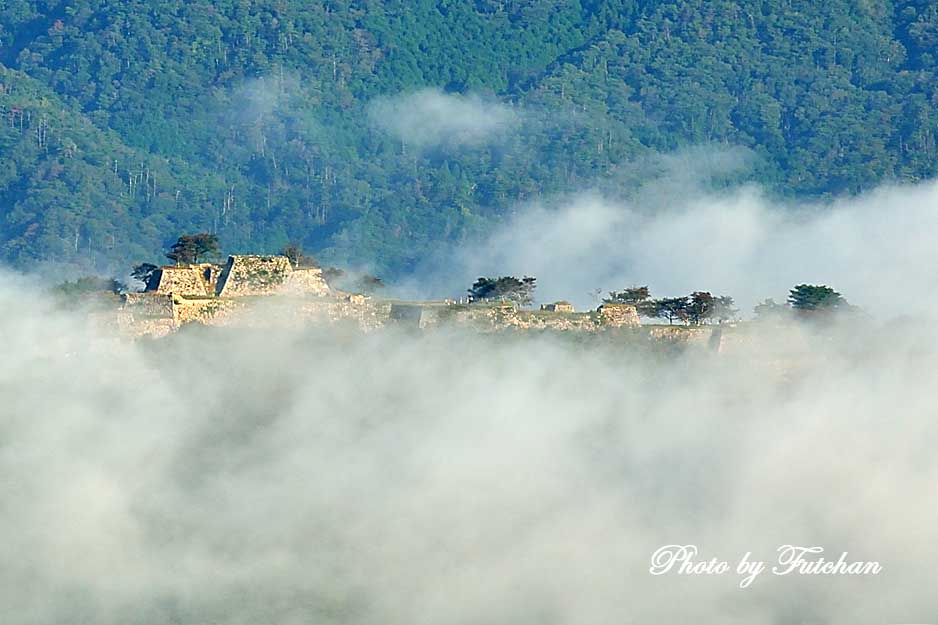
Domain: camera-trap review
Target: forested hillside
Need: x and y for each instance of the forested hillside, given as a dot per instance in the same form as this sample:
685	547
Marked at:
371	132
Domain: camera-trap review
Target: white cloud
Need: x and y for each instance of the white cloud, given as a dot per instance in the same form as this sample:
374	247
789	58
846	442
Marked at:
430	117
237	477
876	249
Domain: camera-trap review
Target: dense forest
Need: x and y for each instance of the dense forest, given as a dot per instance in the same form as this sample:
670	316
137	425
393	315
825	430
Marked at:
371	132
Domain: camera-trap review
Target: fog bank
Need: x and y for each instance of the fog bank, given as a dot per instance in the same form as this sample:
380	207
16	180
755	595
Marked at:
877	249
237	477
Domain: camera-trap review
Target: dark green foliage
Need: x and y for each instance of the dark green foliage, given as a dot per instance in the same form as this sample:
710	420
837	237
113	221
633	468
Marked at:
351	281
504	288
724	309
183	251
700	306
638	296
809	298
672	308
87	285
124	123
633	295
190	248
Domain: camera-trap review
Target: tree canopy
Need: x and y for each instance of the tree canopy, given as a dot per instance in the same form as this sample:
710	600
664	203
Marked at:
123	123
504	288
810	298
632	295
190	248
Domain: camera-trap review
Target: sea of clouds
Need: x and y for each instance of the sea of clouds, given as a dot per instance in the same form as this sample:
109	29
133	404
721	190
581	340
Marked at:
324	476
236	477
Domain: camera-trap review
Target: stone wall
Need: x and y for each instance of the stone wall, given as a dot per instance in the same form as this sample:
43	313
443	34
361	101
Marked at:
253	275
146	314
210	275
480	317
618	316
295	312
548	320
408	315
149	314
306	281
691	335
313	305
206	310
367	314
505	316
153	305
418	315
184	280
282	311
560	307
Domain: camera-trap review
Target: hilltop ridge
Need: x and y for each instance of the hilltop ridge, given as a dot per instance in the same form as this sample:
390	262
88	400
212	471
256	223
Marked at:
236	294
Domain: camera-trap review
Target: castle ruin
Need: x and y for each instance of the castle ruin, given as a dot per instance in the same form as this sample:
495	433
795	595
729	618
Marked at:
213	294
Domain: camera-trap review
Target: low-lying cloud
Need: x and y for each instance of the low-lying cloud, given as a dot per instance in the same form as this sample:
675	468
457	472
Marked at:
877	249
244	476
431	118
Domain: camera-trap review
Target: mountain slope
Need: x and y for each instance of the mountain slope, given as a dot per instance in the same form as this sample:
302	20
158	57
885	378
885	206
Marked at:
260	120
71	190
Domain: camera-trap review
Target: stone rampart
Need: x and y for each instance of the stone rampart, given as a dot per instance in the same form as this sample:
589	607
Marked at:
306	281
189	280
253	275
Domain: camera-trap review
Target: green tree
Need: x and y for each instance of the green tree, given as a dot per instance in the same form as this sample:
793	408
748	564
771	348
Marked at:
700	307
183	251
189	248
505	288
724	309
206	246
638	296
703	307
120	127
671	308
809	298
87	285
632	295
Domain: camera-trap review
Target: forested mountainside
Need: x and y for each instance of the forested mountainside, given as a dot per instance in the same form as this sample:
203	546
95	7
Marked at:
371	132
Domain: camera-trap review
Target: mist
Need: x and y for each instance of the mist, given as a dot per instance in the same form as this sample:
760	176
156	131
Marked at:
678	237
241	476
431	118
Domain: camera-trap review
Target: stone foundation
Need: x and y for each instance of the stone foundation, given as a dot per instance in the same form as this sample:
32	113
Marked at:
306	282
253	275
156	314
190	280
618	315
245	276
559	307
